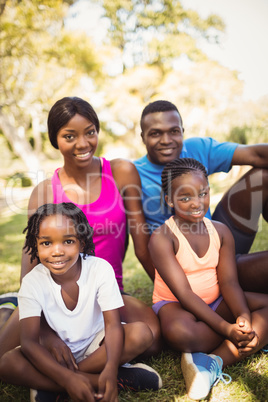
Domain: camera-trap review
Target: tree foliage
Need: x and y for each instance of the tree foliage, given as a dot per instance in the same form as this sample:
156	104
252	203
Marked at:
150	52
40	61
155	32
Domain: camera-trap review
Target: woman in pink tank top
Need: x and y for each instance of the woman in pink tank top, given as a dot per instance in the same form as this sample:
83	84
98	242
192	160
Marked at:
109	195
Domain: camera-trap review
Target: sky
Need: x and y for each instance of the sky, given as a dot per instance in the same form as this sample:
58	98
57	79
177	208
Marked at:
243	46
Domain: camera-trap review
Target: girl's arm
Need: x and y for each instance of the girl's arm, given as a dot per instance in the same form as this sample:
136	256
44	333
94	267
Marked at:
129	185
76	385
114	348
161	246
227	275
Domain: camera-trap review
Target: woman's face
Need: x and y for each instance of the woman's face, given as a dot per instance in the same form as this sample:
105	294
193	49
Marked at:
78	141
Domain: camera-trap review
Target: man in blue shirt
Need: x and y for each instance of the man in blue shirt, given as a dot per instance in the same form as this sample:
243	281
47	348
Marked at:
240	207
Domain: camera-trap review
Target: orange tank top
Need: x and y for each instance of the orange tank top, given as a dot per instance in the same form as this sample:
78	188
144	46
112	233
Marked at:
201	272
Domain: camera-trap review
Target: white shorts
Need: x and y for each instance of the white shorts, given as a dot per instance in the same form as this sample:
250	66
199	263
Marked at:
88	350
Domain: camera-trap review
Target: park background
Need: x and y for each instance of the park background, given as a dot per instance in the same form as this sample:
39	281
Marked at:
208	57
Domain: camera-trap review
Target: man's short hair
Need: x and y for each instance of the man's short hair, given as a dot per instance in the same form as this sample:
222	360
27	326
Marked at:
158	106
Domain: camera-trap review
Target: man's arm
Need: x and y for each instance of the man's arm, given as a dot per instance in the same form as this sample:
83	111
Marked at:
254	155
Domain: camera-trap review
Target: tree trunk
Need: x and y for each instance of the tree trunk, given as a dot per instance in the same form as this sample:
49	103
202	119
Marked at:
21	146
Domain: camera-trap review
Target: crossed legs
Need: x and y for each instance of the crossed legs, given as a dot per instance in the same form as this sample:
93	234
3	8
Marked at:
184	333
16	369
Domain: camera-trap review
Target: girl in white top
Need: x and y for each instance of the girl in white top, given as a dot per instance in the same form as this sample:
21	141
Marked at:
79	297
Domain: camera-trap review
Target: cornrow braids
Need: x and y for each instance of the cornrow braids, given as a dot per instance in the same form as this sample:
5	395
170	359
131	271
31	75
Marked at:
84	231
177	168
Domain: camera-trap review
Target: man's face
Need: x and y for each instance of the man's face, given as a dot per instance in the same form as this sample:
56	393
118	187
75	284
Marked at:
162	135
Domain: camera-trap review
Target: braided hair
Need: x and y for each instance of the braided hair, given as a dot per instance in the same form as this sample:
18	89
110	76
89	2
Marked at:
84	231
177	168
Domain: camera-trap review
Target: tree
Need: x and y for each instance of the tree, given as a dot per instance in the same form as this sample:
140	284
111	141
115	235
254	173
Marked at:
40	62
157	32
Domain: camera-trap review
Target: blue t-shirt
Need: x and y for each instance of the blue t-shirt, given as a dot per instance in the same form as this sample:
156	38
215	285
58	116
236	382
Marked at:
215	156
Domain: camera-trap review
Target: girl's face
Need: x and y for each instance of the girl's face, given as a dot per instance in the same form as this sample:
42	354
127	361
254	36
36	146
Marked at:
78	141
189	197
57	244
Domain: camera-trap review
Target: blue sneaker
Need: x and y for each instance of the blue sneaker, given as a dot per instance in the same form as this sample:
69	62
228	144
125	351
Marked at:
201	372
265	349
9	300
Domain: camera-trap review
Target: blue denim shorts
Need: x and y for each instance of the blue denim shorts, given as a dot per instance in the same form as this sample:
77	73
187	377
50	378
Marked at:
156	307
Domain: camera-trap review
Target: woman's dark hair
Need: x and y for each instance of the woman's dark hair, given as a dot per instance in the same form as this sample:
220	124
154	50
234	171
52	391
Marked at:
84	231
63	111
177	168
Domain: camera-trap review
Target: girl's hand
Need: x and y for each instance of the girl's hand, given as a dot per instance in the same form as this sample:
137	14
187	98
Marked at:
239	335
250	347
244	323
80	389
108	391
60	352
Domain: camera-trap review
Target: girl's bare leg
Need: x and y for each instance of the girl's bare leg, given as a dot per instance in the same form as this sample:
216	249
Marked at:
137	338
184	333
258	305
135	310
17	370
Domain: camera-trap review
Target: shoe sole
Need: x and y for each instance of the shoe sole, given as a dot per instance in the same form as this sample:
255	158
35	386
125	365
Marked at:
11	300
194	380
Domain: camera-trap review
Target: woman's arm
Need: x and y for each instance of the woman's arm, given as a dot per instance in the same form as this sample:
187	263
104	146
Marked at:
129	185
41	194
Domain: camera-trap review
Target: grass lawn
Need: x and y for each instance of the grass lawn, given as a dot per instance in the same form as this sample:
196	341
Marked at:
250	378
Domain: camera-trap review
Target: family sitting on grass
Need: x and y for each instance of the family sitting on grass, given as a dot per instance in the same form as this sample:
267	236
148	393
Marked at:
77	331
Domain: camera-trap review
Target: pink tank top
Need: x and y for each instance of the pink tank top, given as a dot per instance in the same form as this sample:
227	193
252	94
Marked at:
201	272
106	216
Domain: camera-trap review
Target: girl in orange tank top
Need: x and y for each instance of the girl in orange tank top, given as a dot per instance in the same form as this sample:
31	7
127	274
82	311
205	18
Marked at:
202	309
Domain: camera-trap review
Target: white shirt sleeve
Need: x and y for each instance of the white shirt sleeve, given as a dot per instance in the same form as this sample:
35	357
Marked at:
28	298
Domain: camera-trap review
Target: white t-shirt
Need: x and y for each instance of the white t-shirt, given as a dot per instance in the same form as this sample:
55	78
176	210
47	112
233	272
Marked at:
98	291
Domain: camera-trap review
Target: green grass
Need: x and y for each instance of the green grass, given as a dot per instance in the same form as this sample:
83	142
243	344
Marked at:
250	377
